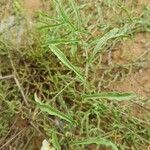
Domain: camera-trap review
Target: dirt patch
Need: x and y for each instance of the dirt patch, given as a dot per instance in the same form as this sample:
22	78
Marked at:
138	83
143	2
21	123
132	49
138	2
36	142
138	5
32	6
94	147
21	134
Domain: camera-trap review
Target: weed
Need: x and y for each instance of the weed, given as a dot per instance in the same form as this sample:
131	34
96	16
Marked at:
57	80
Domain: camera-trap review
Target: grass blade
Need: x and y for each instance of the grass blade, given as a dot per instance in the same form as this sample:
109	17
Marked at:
55	141
102	42
52	111
63	41
96	140
50	26
110	96
76	11
61	56
65	18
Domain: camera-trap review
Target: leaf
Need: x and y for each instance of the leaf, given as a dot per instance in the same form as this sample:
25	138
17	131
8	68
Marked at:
55	141
61	56
76	11
64	16
110	96
49	26
63	41
52	111
17	6
103	41
96	140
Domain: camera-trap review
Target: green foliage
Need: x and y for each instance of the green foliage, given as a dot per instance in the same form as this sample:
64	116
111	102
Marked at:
65	61
96	140
68	61
52	111
55	141
103	41
8	107
110	96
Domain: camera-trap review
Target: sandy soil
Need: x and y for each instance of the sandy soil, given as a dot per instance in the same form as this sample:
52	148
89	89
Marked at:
128	52
32	6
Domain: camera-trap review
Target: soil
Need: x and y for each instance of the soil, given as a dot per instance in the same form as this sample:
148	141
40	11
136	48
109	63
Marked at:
138	83
130	50
143	2
138	4
127	52
32	6
139	80
26	135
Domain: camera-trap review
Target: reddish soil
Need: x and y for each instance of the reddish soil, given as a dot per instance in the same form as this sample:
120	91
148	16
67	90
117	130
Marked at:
127	52
143	2
139	80
32	6
36	139
138	4
131	49
138	83
21	134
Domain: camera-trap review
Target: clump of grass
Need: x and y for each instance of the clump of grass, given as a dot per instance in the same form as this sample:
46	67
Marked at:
56	69
10	105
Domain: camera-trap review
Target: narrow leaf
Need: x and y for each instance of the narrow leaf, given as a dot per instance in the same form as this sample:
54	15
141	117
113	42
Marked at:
63	41
55	141
96	140
52	111
76	11
110	96
49	26
103	41
64	16
61	56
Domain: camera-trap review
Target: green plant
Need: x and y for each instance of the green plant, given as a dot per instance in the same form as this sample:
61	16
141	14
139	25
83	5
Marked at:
60	70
